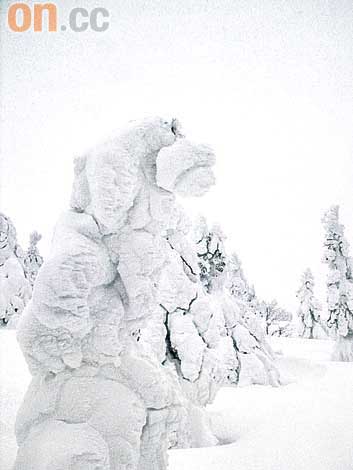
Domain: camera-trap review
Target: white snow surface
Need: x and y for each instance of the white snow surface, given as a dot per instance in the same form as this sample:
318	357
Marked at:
307	424
14	381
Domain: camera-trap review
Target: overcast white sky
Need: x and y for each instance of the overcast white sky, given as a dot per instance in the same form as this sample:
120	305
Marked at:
269	84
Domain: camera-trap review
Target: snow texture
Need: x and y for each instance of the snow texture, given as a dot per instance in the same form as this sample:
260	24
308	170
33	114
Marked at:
119	336
307	424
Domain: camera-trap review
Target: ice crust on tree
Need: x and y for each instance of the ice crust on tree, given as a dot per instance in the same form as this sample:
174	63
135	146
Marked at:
339	284
120	336
309	309
32	260
15	289
247	356
267	317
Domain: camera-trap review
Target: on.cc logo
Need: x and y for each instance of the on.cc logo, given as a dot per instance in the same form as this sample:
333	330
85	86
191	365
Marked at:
21	18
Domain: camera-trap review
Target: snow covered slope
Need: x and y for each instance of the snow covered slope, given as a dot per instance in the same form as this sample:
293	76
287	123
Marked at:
307	424
304	425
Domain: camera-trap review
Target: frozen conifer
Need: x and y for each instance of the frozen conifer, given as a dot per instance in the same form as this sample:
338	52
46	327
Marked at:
339	284
309	308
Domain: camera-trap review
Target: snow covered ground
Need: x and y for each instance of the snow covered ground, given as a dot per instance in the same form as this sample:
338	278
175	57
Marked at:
307	424
304	425
14	380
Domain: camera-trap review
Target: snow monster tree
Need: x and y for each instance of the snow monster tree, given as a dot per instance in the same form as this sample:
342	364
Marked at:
118	335
339	285
250	359
15	290
309	309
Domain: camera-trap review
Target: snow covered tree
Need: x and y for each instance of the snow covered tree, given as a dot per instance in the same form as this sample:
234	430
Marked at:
269	317
15	290
223	278
277	319
242	291
309	308
212	260
238	285
120	334
32	260
339	284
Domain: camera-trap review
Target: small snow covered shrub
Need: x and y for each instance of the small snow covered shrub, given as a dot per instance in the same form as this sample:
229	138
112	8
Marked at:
15	290
339	285
277	319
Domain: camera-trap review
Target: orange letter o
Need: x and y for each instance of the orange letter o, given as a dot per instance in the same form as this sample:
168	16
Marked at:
12	17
